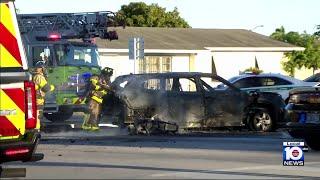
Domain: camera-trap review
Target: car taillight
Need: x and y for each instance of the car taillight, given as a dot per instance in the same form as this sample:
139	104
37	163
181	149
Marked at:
314	98
298	98
16	151
31	107
305	98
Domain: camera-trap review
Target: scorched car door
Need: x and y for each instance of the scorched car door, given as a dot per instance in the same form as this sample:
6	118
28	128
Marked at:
185	104
224	107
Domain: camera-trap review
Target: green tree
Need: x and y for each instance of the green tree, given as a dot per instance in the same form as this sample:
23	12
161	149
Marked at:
309	58
317	33
279	34
139	14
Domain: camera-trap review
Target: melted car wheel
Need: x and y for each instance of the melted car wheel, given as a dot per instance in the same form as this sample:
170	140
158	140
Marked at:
261	120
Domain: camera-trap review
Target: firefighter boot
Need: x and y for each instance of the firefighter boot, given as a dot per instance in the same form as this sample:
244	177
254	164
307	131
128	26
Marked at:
85	125
95	128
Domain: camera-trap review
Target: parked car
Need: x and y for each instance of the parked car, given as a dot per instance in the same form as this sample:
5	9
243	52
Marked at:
313	78
190	102
303	114
276	83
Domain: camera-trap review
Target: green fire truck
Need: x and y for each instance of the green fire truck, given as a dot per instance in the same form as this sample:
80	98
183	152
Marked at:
65	43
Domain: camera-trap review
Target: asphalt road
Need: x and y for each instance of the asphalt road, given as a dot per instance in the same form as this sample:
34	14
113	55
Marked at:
112	154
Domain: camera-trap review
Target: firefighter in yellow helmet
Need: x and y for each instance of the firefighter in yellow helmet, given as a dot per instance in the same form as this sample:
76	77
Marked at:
100	86
41	85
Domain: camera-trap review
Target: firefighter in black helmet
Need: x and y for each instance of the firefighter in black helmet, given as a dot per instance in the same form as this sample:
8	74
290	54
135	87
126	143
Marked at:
41	85
100	85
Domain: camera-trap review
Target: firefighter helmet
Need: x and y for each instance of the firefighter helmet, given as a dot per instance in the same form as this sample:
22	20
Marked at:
39	67
40	64
107	71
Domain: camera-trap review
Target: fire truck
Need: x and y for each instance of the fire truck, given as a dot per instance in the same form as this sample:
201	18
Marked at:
66	43
19	124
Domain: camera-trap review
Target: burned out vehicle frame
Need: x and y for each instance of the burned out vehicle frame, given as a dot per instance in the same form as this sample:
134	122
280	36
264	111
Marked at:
171	101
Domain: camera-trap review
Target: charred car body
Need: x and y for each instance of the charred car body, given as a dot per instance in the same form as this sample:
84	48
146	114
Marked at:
303	114
168	101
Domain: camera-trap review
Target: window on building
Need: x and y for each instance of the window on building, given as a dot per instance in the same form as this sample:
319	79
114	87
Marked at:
152	84
181	85
155	64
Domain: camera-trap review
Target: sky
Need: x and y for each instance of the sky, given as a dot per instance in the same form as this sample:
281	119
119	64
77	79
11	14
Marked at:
261	16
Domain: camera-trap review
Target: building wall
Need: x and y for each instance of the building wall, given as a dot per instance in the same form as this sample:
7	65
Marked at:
121	64
300	73
228	64
303	73
180	63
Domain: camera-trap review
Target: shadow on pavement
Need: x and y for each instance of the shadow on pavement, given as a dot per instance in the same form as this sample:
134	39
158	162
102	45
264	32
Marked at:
217	141
148	168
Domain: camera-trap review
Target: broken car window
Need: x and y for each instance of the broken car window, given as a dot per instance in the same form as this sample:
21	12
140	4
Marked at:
188	85
153	84
210	84
181	85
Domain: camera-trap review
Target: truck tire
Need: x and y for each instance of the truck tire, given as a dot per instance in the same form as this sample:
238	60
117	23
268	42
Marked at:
60	116
313	142
261	120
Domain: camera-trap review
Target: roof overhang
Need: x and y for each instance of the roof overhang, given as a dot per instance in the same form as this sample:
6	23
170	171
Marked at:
158	51
255	49
208	49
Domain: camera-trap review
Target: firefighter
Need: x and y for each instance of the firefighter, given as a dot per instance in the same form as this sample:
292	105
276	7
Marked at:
100	86
41	85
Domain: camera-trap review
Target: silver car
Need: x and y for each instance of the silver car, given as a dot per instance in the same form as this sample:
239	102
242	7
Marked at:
276	83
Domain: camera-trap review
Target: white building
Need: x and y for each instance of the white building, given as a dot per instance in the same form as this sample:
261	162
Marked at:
226	51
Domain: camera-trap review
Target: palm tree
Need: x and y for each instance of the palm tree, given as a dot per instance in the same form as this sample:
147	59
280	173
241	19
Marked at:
279	34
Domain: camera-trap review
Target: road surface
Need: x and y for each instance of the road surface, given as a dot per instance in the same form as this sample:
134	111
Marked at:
113	154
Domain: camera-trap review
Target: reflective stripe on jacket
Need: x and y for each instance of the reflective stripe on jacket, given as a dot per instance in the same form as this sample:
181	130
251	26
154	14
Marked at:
42	87
98	89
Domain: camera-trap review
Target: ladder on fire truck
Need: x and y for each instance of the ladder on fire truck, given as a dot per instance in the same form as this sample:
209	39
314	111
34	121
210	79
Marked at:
83	26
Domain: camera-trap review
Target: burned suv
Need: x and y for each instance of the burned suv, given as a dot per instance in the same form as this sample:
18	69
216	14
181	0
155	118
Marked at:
168	101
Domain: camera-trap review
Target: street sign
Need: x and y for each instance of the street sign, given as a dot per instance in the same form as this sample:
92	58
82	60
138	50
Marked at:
136	48
132	48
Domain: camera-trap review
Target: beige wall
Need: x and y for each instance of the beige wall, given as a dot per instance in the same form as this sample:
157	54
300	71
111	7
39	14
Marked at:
180	63
301	73
121	64
228	64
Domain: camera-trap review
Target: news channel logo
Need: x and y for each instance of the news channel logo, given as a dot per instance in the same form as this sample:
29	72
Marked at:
293	153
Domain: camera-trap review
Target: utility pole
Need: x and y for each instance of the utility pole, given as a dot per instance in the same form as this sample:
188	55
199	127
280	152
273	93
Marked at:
136	50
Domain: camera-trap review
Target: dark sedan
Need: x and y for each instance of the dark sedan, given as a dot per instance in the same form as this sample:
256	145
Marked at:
313	78
192	101
303	112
